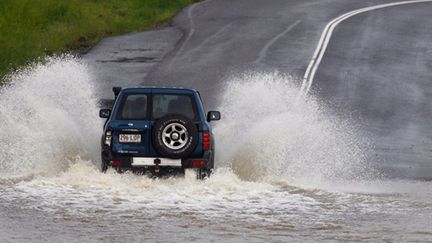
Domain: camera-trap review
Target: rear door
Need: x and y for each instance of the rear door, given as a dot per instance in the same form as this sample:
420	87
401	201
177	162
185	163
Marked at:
133	130
170	102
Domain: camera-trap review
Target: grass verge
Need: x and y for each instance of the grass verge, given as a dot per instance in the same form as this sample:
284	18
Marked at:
30	29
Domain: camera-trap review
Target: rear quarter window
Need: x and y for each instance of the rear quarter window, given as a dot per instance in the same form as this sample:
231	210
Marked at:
133	107
167	104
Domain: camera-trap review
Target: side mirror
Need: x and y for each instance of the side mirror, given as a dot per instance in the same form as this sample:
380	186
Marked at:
213	116
104	113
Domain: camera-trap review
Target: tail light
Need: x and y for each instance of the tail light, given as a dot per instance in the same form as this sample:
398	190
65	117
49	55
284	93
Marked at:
116	163
206	140
108	137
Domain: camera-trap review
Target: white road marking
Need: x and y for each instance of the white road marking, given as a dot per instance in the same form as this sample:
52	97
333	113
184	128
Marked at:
263	53
211	38
325	39
191	26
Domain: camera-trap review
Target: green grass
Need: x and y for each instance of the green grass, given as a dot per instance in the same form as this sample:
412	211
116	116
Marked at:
30	29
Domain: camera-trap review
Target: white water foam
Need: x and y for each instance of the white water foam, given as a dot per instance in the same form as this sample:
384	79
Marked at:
274	155
49	121
48	118
268	133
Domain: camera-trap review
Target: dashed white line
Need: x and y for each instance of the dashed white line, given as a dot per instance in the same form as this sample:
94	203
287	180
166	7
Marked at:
263	53
212	37
325	39
191	26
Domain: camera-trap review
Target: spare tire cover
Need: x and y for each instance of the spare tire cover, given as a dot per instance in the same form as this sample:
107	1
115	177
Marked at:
174	136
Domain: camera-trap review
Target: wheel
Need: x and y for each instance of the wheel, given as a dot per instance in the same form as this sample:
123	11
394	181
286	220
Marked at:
174	136
104	167
105	158
203	173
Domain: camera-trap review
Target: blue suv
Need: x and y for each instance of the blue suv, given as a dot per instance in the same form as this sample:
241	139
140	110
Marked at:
158	131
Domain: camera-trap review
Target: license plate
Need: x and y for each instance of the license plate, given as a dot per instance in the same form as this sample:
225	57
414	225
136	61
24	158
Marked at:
130	138
141	161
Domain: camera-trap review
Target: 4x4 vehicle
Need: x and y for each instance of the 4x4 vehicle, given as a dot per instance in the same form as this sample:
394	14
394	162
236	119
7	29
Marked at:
158	131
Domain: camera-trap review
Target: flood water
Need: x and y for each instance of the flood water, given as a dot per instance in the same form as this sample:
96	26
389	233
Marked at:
288	169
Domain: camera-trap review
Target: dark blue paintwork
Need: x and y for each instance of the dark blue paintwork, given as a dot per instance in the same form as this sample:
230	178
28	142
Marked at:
145	148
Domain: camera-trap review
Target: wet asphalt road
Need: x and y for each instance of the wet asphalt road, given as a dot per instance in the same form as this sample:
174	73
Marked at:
376	69
379	66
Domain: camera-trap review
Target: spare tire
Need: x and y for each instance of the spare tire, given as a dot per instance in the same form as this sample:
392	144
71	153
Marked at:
174	136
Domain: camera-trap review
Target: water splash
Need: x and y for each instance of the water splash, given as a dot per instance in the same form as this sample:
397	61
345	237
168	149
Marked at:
48	117
274	154
48	122
268	133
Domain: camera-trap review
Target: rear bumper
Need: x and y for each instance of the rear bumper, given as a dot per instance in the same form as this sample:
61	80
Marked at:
128	162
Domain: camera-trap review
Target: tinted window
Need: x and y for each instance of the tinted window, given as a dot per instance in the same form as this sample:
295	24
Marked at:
173	104
133	107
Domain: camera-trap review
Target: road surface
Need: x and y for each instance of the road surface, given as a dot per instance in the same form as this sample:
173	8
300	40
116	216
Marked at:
289	167
376	68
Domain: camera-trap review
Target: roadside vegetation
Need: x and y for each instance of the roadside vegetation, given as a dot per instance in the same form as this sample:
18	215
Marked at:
30	29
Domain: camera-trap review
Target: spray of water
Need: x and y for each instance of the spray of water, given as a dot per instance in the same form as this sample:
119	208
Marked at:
267	132
272	148
48	123
47	118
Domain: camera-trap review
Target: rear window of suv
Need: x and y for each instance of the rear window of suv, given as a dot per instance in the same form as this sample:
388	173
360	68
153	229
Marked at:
133	107
164	104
